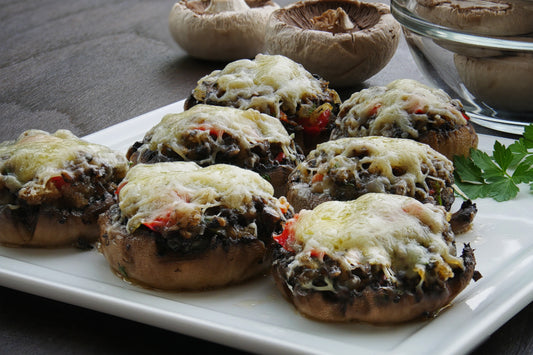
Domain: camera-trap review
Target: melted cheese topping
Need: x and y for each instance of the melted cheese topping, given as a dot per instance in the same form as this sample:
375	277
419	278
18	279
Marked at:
266	84
382	155
249	127
179	192
403	104
36	156
395	233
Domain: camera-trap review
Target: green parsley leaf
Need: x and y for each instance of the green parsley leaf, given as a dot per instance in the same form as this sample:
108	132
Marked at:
498	175
528	136
484	161
518	155
502	189
473	191
502	156
523	172
467	170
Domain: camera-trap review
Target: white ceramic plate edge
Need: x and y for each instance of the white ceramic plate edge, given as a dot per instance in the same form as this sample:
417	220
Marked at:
451	332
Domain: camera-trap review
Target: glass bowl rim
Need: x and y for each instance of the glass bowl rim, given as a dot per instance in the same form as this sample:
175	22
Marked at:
425	28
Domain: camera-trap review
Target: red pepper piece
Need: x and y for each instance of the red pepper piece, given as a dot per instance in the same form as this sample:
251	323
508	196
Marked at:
374	110
286	238
58	182
318	254
158	223
283	117
317	125
120	186
213	131
317	177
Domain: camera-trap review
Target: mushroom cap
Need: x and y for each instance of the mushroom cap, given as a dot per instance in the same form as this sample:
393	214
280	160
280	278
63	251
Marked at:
220	35
486	17
51	228
382	305
348	52
503	82
135	258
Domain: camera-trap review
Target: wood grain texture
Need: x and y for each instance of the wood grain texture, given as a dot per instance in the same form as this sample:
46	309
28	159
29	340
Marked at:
85	65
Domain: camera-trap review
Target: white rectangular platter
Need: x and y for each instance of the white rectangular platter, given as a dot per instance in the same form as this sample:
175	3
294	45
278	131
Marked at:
255	317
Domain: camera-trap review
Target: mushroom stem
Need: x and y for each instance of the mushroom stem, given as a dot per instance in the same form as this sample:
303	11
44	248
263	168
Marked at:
218	6
333	21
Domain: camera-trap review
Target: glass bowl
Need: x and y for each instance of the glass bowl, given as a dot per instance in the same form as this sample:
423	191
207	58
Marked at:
487	63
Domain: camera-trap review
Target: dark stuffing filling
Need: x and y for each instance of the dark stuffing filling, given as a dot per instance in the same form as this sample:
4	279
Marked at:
349	183
207	148
77	191
341	284
218	226
26	214
81	194
292	121
422	122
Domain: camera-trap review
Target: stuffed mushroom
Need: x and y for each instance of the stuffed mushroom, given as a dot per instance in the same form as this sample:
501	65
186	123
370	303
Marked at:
406	108
53	186
347	168
277	86
177	226
210	135
381	259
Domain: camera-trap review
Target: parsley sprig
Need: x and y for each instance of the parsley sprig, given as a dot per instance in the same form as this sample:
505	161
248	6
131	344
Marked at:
498	175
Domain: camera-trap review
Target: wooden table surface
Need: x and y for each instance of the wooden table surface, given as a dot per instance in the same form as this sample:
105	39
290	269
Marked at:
85	65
